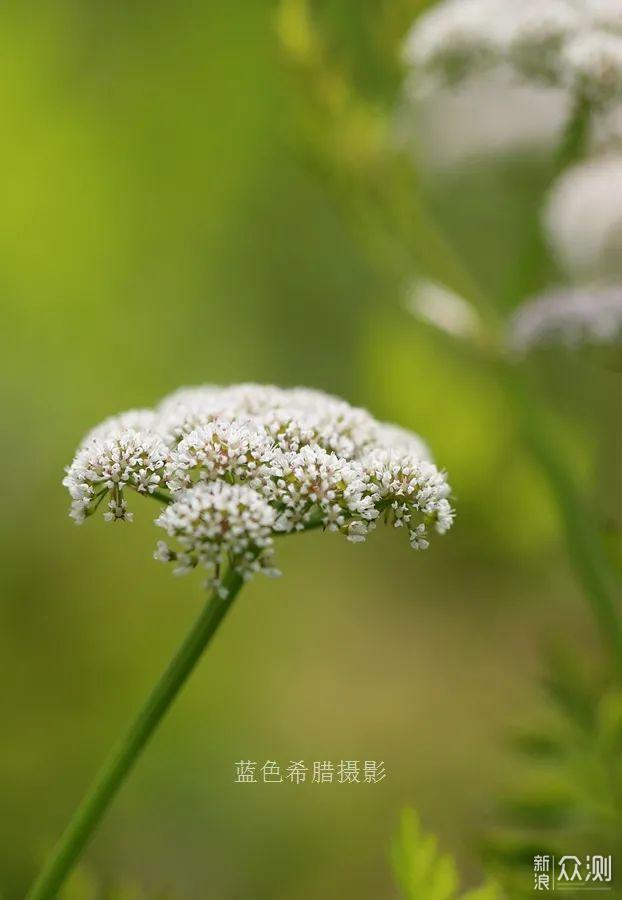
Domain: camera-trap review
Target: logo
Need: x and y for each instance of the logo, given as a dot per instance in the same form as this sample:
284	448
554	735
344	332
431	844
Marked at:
565	873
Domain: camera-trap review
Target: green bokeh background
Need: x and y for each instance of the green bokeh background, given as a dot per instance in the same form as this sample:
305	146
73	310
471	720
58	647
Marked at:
161	226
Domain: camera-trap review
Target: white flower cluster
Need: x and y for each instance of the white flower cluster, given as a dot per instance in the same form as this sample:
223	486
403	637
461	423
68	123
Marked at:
574	44
583	218
215	522
112	459
570	317
236	466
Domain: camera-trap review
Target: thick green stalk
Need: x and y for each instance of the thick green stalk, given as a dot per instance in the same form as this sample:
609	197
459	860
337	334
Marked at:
117	767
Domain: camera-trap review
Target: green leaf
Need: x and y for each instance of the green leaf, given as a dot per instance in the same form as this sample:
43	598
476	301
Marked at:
84	885
571	691
423	873
610	721
538	745
539	808
488	891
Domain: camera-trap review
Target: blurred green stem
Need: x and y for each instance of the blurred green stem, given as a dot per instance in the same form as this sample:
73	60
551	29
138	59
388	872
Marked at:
575	136
586	550
584	543
116	769
161	497
534	260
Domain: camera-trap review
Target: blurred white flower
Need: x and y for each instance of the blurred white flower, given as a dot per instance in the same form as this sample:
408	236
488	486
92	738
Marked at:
438	306
392	437
572	44
604	13
451	40
583	218
241	464
134	419
189	408
533	32
591	66
488	114
568	316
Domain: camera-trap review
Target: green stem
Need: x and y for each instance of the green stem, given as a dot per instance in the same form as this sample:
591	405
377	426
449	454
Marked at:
534	258
117	767
587	554
574	138
584	544
161	497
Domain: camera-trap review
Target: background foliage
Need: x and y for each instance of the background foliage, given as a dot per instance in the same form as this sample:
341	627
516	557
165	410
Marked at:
166	223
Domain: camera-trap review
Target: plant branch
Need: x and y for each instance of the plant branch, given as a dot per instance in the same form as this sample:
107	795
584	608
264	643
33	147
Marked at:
116	769
161	497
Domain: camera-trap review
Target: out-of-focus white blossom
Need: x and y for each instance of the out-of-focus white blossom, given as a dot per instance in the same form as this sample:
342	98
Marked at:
591	66
568	43
189	408
489	114
392	437
135	419
437	305
605	14
240	464
583	218
451	40
568	316
109	465
219	525
532	34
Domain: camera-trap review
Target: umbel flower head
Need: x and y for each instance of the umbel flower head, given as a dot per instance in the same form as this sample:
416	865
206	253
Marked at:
573	44
236	466
571	317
